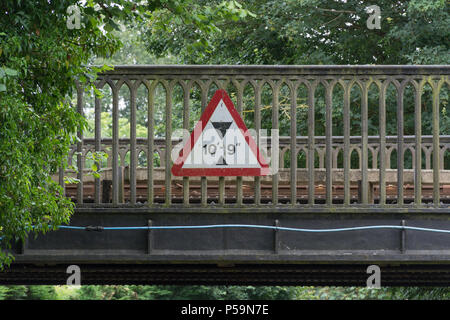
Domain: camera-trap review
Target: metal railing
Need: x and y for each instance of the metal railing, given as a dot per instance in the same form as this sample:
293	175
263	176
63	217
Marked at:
332	154
285	147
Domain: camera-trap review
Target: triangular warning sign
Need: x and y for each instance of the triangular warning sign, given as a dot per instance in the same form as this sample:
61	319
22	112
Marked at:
220	144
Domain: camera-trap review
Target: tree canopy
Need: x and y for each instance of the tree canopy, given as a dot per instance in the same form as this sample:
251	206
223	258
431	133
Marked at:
41	59
318	32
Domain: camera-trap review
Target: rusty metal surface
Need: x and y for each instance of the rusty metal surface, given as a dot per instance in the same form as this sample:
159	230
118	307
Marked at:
247	190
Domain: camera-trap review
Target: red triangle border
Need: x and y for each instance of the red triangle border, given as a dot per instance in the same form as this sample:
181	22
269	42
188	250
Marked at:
177	169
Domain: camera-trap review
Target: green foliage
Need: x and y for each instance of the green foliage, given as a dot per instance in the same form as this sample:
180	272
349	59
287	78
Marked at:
186	293
93	160
384	293
14	292
423	293
198	292
66	292
195	26
27	293
3	292
42	293
140	292
319	32
40	61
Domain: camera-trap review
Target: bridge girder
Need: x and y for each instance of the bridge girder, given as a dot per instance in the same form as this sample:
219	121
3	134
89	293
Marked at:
238	255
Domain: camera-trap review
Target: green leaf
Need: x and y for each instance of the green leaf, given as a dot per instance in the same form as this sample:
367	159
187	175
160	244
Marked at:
10	72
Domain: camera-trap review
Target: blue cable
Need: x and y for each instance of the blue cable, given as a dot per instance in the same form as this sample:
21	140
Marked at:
264	227
257	227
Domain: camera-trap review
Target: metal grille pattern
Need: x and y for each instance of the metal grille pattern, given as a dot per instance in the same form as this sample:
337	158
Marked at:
306	275
374	174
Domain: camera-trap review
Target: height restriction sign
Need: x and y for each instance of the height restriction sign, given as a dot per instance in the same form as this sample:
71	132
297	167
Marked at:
220	144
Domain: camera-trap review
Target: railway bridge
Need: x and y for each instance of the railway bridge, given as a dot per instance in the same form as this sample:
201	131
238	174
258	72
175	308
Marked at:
360	163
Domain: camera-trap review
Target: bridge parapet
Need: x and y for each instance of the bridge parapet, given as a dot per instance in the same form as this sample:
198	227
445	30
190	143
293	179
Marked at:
293	100
349	196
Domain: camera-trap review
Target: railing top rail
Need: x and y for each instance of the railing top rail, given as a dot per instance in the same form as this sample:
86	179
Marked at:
425	138
236	70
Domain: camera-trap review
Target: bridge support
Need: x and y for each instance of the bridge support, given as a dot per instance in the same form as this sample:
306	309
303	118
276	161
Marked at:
251	249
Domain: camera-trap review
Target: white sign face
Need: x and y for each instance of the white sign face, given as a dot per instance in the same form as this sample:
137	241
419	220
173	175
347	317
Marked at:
221	144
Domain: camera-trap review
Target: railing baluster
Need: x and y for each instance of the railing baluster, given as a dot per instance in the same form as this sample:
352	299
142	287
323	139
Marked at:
203	180
329	142
274	137
311	137
240	93
293	185
115	145
61	180
80	156
186	90
168	171
400	144
258	87
98	146
133	155
346	152
364	144
436	148
382	152
418	147
221	190
150	141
